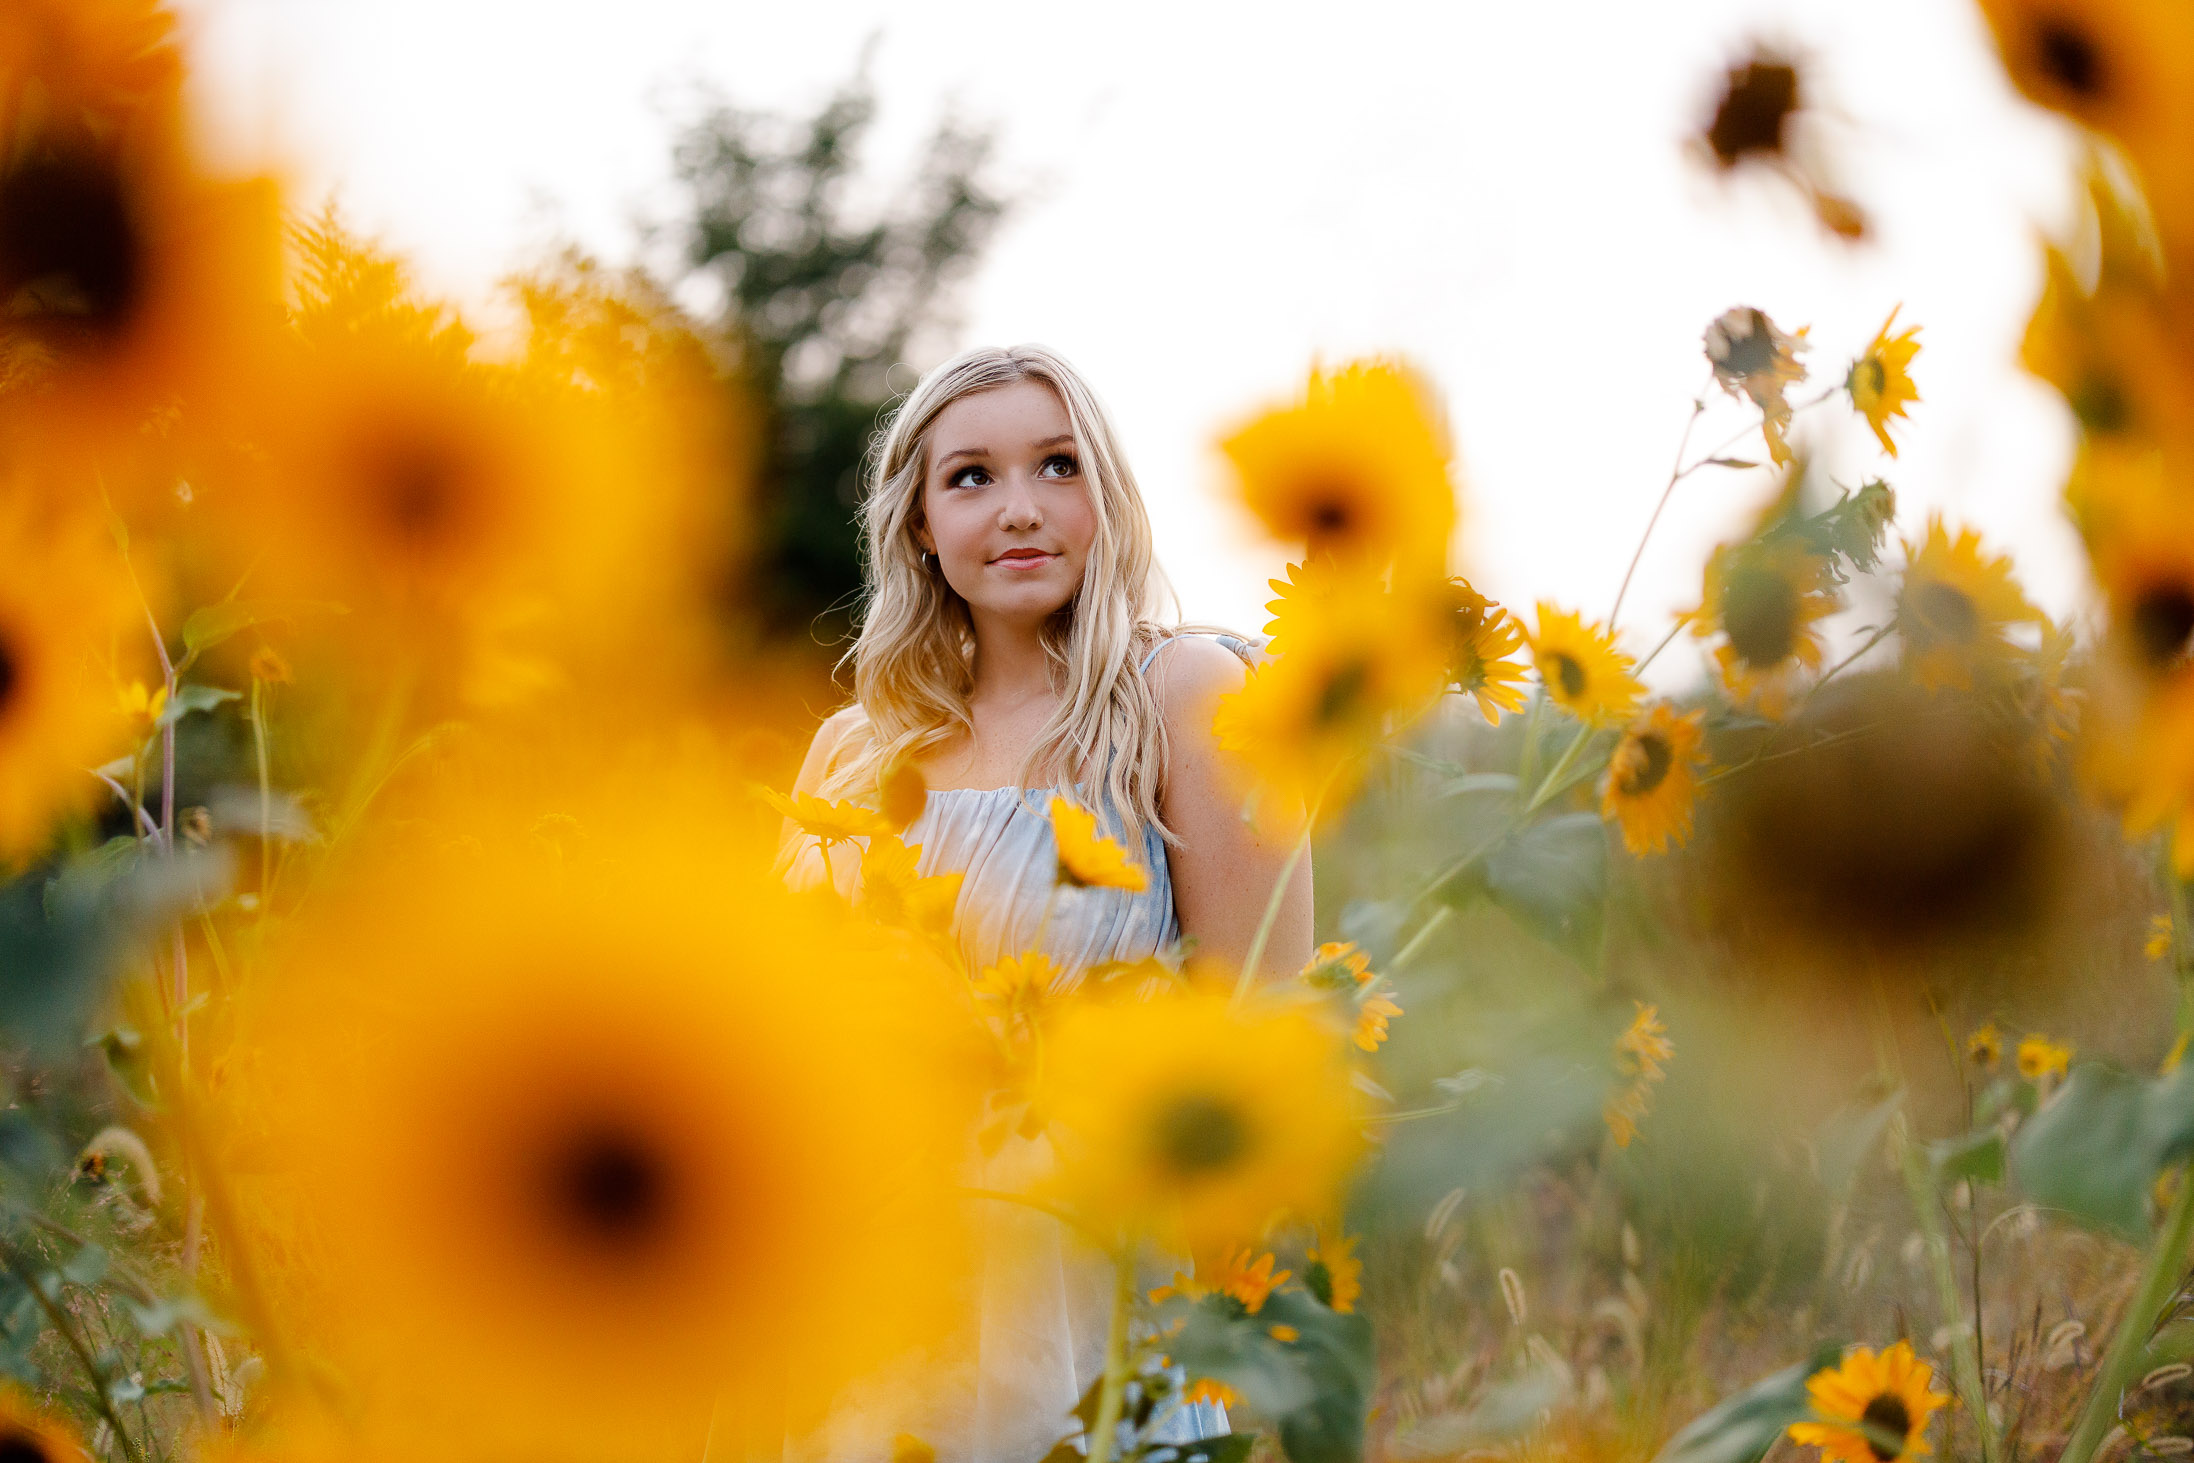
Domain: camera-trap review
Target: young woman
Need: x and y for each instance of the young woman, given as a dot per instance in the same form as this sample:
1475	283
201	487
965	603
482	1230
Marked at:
1009	648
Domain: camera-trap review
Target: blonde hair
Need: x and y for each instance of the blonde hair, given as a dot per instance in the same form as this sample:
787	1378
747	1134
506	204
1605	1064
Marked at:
913	660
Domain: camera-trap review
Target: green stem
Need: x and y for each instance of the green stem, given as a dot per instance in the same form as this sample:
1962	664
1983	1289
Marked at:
1965	1360
1255	958
1109	1397
1408	952
2160	1276
1561	765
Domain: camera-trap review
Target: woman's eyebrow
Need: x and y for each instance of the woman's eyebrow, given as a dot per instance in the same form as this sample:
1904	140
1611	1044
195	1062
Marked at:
1066	437
963	452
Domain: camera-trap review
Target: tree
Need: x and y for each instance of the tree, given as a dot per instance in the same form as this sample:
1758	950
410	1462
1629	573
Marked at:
821	301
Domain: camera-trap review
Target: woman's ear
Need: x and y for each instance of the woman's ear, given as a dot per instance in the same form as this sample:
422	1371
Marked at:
921	536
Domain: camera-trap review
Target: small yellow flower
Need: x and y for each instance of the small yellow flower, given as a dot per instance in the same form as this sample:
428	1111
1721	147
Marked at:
832	822
1653	778
1087	859
894	893
1880	382
1283	1333
1890	1394
2159	937
139	705
268	665
1338	965
2039	1057
1985	1047
1335	1256
1644	1044
1481	637
1371	1019
1583	671
1752	358
1207	1389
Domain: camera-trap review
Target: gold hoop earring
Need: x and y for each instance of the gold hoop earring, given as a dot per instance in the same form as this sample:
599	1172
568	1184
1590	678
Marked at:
929	560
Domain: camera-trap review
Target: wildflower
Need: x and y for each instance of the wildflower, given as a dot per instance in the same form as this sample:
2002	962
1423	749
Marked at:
1653	779
562	1147
1880	382
1372	1014
1333	1272
1241	1275
1955	605
1338	965
1891	1396
1640	1052
1766	598
1357	469
1985	1047
1209	1389
1481	637
2121	67
2040	1057
894	893
62	598
1752	119
828	821
1581	668
2158	944
1286	1335
1087	859
1754	359
1193	1119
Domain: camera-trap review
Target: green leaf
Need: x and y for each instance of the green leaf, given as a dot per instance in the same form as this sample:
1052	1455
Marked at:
1239	1351
2093	1152
1849	1135
209	626
1477	782
1335	1352
1233	1448
1977	1156
1740	1429
1551	877
193	698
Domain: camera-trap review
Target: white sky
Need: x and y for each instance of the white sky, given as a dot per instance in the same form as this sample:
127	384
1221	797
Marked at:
1214	195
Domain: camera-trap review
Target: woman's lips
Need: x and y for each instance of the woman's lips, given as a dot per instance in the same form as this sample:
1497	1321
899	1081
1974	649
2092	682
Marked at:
1023	559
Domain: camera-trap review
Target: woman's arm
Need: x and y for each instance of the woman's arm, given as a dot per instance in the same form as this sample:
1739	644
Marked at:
822	750
1223	871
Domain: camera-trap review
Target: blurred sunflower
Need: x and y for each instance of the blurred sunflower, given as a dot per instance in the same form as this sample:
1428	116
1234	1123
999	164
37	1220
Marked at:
1358	468
2052	701
1765	597
2124	67
1240	1274
1653	778
550	1138
2158	943
2040	1057
823	819
1354	662
1581	668
1088	859
1890	1396
1752	358
902	794
1481	637
63	599
28	1435
1880	381
1338	965
2111	350
894	892
1955	605
1306	596
1015	989
1197	1121
1333	1272
1985	1047
96	65
1641	1050
1753	119
1373	1010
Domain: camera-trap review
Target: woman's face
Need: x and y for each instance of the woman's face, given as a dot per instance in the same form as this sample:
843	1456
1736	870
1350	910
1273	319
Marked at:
1005	506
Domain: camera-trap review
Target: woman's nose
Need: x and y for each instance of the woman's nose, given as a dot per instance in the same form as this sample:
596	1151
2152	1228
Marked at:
1019	509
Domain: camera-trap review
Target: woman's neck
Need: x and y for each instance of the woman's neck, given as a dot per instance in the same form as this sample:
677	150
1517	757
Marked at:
1011	663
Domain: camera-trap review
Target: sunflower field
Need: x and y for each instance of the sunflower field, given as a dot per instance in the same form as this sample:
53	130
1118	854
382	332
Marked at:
411	1046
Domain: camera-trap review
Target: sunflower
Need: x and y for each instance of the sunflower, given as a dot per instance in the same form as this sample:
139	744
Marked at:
2040	1057
1481	637
1016	988
893	892
1581	668
1889	1396
1765	597
1985	1047
1954	606
1353	663
1196	1120
1653	778
1759	100
825	820
28	1435
1357	468
2053	702
62	600
1240	1274
1372	1014
2110	350
902	793
1338	965
1641	1051
1752	358
1306	595
1333	1272
1087	859
2124	67
549	1136
1880	381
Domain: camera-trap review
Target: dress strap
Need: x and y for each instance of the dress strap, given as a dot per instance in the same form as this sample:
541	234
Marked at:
1249	651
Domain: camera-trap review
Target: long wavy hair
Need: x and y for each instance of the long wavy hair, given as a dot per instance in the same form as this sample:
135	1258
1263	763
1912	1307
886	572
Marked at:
913	661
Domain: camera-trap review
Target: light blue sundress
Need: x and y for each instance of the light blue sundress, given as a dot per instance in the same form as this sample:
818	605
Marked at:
1039	1340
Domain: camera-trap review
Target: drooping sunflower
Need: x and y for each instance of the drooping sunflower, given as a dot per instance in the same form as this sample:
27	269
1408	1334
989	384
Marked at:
28	1435
1765	598
1353	664
1357	468
1198	1121
1333	1272
1653	778
1481	637
1088	859
1752	358
548	1136
1581	668
1880	381
1760	98
1889	1396
1955	605
63	598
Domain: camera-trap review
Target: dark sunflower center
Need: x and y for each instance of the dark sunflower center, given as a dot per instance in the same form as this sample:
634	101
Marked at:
70	253
1198	1134
2070	57
418	491
1332	514
1753	111
2101	404
1570	673
1342	691
1760	611
1949	613
21	1447
2162	619
1888	1413
1645	763
1870	376
1753	352
608	1188
10	675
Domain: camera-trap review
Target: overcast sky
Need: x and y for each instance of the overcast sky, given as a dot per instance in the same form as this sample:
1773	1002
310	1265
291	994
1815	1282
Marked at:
1215	195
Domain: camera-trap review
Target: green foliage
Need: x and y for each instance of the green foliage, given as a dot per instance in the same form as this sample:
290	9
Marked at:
822	301
1741	1428
2093	1152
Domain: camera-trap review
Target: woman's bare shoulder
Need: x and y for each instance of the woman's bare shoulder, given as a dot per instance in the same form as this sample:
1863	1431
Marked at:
823	749
1190	667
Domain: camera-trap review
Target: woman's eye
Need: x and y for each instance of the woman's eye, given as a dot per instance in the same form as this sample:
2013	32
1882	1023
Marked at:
968	477
1058	465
